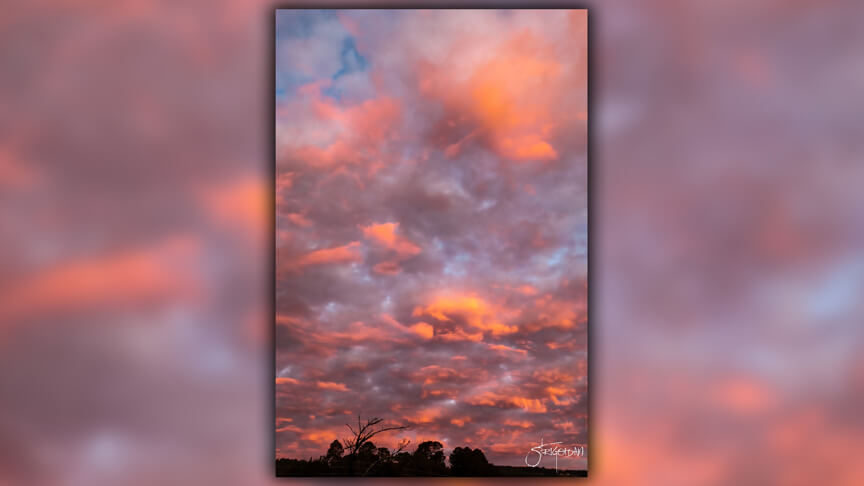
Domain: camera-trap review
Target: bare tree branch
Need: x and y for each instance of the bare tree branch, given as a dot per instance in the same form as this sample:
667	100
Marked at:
365	432
402	445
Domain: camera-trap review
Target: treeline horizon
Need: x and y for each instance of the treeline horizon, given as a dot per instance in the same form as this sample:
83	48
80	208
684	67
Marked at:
428	459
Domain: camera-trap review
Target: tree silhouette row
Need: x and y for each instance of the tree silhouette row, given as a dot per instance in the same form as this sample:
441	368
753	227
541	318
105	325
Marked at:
427	460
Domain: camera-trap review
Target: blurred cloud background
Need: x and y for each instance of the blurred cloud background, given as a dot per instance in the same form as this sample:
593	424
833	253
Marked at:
727	261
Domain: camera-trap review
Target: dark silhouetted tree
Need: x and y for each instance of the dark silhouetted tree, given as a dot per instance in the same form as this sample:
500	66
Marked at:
334	459
365	458
356	444
429	459
384	453
335	451
364	433
383	459
465	461
404	463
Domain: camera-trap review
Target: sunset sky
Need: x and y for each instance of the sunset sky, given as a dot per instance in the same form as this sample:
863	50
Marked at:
431	228
727	247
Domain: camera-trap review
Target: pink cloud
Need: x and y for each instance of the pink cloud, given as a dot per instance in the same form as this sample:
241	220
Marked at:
349	253
385	234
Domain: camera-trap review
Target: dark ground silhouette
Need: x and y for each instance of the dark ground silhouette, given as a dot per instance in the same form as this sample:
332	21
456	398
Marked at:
427	460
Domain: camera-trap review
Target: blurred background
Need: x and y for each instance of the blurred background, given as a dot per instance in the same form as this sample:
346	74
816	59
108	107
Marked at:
727	244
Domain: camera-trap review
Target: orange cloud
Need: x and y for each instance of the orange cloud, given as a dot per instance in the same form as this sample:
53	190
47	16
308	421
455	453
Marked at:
562	345
494	399
423	416
556	392
458	334
286	381
527	147
388	268
428	331
325	343
385	235
436	374
502	347
563	314
475	311
329	385
508	448
514	98
341	254
554	376
558	385
438	393
524	424
421	329
532	405
424	330
322	436
284	424
567	427
461	421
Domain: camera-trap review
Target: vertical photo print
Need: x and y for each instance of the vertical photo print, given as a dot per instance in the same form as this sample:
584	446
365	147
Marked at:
431	225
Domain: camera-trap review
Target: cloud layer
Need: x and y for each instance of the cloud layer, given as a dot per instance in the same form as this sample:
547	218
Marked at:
431	227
